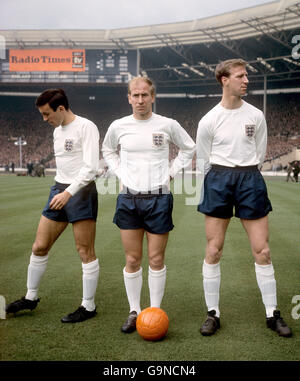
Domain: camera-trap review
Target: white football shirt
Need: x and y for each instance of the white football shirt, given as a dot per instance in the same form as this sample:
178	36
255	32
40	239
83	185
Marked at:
76	150
143	161
232	138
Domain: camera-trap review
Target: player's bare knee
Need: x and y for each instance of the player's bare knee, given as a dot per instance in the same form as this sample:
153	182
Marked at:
263	257
86	254
157	262
133	263
40	249
213	254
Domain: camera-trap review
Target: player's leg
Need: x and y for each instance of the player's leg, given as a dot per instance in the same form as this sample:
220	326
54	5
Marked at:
157	274
128	220
258	234
47	233
132	240
157	220
215	229
84	235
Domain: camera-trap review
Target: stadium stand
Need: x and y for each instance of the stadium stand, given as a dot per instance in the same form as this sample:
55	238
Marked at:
179	58
20	118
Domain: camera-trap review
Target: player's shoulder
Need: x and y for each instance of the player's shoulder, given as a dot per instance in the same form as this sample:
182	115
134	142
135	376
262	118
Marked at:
165	120
160	117
119	125
211	115
82	121
121	121
85	127
252	108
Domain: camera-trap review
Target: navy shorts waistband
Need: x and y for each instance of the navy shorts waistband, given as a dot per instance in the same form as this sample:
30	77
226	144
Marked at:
62	186
145	194
251	168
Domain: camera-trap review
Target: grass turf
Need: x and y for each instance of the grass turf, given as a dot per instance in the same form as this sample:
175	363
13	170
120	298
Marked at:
40	336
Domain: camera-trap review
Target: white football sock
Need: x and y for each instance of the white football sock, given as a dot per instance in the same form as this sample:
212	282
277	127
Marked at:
90	275
156	283
211	284
36	269
267	285
133	285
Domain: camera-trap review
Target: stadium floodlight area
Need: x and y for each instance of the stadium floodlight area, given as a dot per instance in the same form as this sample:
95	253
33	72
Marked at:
18	94
276	91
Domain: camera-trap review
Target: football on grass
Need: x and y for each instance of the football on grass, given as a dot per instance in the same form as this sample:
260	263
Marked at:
152	323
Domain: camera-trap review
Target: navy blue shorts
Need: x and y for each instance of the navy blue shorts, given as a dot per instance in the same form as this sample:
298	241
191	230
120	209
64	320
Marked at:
239	188
82	206
150	212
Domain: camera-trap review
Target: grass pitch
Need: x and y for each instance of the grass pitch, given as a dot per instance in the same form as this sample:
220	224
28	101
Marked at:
40	336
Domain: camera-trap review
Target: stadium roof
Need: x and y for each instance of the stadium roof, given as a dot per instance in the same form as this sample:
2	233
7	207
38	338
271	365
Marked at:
184	54
245	23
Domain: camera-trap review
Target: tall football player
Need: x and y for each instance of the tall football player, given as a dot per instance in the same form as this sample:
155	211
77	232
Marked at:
73	199
231	140
144	205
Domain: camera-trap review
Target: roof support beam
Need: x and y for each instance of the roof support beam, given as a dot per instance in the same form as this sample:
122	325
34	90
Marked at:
234	46
269	29
120	43
174	45
294	9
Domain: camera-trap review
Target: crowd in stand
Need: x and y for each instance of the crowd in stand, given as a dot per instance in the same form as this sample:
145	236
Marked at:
20	118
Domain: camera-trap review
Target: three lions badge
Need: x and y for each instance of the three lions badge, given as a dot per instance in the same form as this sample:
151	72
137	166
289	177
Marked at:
250	130
69	145
158	140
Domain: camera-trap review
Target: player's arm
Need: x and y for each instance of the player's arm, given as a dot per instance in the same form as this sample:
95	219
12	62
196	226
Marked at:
110	150
203	146
90	158
186	146
261	140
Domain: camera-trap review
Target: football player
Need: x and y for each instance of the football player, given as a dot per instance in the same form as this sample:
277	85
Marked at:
144	205
73	199
231	140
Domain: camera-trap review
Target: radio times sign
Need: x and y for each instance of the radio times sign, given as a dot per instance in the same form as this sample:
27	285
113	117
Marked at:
47	60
